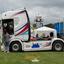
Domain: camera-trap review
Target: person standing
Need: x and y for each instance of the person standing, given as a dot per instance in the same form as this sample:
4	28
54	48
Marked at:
6	43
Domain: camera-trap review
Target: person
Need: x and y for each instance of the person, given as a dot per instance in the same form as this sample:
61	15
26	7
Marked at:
6	43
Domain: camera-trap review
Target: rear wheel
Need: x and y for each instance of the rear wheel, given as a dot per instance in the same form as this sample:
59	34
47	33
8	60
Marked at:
57	46
15	46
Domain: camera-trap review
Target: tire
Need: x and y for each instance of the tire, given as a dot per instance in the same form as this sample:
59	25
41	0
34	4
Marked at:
15	46
57	46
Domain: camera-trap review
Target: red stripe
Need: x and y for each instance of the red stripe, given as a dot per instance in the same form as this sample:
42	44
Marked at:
25	28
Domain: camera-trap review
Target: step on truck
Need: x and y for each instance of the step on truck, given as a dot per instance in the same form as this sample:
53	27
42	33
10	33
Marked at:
23	38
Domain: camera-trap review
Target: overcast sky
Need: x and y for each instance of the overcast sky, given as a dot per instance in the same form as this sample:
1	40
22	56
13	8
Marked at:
45	8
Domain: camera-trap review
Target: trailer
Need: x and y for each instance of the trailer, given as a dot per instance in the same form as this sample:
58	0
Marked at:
23	38
59	26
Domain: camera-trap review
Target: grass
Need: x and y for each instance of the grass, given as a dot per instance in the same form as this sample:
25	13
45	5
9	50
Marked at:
47	57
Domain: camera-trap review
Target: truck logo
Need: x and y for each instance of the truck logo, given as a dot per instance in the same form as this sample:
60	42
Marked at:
35	45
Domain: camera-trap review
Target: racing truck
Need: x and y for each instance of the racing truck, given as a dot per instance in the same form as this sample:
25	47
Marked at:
23	38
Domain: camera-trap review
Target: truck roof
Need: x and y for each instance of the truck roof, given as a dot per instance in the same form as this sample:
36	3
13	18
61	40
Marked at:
9	14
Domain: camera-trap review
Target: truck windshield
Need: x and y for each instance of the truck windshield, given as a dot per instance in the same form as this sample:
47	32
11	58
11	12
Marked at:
8	26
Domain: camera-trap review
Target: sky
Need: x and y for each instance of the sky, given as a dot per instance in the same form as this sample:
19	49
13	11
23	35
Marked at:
48	9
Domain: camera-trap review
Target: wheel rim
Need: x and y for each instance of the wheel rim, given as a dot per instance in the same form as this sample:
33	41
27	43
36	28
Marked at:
58	47
15	47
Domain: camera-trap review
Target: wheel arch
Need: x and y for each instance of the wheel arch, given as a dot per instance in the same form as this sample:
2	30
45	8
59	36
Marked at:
57	39
12	42
15	40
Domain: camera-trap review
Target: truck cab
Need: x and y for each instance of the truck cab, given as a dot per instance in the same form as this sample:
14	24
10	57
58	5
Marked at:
22	38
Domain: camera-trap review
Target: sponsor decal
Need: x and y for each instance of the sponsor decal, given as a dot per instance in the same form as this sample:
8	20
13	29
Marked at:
36	45
25	28
28	46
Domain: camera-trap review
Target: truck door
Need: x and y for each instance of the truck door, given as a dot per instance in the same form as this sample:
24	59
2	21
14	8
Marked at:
22	26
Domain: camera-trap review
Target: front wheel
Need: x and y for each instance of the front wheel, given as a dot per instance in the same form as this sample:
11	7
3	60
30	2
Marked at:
15	46
57	46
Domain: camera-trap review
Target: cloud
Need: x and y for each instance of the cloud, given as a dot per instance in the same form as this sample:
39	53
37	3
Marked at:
50	15
45	8
12	4
45	11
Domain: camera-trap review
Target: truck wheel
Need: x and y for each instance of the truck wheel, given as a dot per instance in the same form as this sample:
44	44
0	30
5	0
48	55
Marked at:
15	46
57	46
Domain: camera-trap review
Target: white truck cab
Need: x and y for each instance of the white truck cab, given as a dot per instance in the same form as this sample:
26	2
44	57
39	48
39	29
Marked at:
17	24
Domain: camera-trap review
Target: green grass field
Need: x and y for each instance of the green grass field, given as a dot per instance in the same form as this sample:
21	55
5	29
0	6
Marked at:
44	57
